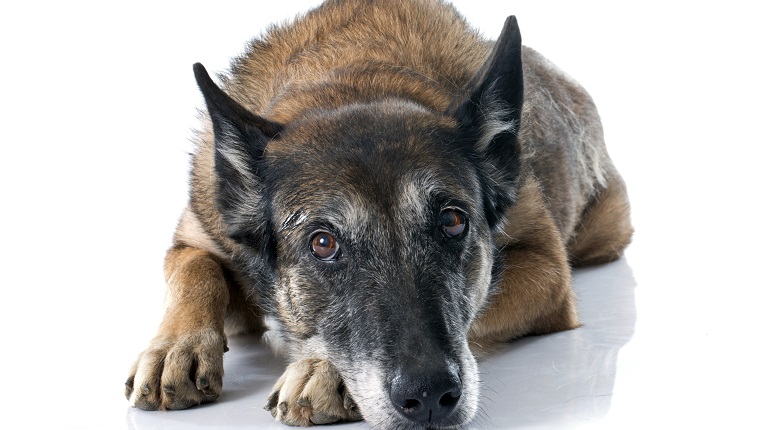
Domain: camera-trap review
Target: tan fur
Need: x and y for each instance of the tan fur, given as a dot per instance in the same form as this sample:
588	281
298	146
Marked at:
190	233
605	229
535	294
191	334
311	392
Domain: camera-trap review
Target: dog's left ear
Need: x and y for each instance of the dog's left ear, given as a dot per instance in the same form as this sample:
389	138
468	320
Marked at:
490	115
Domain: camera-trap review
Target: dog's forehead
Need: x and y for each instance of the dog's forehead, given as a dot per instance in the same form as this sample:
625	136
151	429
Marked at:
368	162
359	126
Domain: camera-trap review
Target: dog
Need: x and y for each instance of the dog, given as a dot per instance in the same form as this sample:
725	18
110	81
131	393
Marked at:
384	194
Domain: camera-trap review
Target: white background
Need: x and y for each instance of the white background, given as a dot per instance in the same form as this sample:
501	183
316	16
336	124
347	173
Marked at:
97	101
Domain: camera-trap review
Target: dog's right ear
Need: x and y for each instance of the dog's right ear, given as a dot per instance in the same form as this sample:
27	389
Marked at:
240	138
490	114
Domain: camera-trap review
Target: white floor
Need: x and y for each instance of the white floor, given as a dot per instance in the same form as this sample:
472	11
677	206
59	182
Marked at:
96	104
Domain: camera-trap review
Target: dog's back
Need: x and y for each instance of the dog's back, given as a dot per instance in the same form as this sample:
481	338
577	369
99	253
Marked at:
354	51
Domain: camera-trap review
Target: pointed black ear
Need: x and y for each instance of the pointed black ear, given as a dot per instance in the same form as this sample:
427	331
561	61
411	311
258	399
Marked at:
239	135
490	116
240	138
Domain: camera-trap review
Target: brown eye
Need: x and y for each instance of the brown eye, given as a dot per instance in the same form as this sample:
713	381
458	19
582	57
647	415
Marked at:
453	223
324	246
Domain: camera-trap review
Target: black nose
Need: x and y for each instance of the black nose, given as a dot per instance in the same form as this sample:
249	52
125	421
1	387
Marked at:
424	397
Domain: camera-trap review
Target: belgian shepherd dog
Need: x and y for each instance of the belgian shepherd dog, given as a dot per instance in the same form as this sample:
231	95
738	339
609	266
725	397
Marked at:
382	192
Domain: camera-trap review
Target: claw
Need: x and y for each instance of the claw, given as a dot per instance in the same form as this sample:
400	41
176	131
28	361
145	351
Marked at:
349	403
202	384
272	401
129	386
319	418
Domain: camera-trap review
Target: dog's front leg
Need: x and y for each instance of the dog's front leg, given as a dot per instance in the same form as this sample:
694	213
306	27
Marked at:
182	366
311	392
534	292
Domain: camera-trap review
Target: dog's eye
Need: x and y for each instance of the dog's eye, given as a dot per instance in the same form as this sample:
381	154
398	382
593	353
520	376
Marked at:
324	246
453	223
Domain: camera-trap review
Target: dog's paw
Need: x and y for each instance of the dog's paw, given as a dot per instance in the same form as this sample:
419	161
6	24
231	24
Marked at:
311	392
178	372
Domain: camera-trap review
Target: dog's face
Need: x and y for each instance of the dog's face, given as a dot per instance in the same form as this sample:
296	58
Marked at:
383	253
374	224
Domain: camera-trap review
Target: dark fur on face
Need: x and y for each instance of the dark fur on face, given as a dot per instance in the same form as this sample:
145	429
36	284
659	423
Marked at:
400	295
382	210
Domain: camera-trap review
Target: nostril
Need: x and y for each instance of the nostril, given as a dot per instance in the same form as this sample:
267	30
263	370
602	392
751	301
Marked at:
411	405
449	400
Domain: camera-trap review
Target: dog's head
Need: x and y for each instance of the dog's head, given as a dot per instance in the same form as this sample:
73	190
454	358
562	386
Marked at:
375	222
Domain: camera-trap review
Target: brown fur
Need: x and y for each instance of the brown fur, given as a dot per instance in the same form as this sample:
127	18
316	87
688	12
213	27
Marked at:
605	229
535	295
567	211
